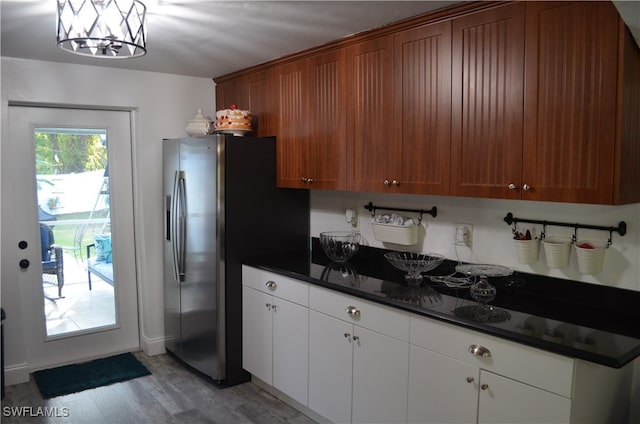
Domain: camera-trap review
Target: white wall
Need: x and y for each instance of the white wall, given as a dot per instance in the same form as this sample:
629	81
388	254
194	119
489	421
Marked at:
163	104
492	237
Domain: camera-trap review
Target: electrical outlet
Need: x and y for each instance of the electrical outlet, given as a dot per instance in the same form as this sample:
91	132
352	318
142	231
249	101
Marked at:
463	235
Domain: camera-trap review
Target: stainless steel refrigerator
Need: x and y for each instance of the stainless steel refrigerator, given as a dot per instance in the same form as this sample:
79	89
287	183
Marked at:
221	207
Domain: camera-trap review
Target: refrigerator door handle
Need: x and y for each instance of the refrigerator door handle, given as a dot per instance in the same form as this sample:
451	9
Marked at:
182	226
174	225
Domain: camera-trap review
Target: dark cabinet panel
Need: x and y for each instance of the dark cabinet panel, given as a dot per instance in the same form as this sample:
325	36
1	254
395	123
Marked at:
422	105
487	96
372	159
571	84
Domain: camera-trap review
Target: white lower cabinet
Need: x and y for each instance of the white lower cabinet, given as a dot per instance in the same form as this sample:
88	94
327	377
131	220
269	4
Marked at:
355	361
444	390
357	374
503	400
275	332
441	389
330	367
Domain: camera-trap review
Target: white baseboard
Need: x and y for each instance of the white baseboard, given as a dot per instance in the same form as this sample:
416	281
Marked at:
152	346
16	374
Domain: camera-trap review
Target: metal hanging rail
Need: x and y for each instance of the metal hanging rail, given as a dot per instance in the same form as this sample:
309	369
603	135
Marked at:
620	229
372	208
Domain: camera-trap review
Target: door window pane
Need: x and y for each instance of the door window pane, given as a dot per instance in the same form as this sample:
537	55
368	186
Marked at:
72	178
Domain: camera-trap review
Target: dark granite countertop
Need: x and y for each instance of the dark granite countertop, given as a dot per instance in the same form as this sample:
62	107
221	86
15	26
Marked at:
587	321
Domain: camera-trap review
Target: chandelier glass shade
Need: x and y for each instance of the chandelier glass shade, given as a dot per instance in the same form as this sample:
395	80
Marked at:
102	28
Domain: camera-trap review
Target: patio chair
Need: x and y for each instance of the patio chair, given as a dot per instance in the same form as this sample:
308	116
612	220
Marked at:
52	259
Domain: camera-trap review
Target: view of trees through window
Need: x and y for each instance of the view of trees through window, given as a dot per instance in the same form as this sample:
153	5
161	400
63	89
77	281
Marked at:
69	153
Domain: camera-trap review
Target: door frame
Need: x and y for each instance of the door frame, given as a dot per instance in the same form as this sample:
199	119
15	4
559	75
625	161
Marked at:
20	372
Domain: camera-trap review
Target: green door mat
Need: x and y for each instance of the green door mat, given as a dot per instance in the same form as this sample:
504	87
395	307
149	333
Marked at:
88	375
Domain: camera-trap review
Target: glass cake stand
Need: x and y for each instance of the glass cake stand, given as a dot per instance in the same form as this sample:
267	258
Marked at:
483	292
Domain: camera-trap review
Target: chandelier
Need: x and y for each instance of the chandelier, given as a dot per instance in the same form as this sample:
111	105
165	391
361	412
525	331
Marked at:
102	28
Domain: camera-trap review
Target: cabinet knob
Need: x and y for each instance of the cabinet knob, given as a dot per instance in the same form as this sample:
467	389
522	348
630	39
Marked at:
387	183
304	179
511	186
274	308
310	180
526	187
395	183
353	311
271	285
470	379
356	338
347	335
480	351
268	305
484	386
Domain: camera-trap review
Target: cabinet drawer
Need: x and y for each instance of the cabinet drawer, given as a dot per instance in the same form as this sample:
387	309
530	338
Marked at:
286	288
369	315
527	364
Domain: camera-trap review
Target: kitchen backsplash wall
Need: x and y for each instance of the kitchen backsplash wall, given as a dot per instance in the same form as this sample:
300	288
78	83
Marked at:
492	239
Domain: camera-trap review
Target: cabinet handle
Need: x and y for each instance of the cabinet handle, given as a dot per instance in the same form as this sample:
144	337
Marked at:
387	183
271	285
268	305
484	386
347	335
395	183
480	351
356	338
526	187
304	179
274	307
353	311
310	180
511	186
470	379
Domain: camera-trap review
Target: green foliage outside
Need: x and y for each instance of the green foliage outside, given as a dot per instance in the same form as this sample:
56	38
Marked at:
68	153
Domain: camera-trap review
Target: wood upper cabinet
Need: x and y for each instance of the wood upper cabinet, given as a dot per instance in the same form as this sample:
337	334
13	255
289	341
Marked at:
312	122
571	97
327	106
422	108
487	96
373	160
293	125
256	92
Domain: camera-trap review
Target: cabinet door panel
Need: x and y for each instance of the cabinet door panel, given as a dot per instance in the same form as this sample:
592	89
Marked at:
291	349
487	96
439	390
422	122
509	401
327	106
330	355
372	156
380	378
570	103
263	103
293	136
257	334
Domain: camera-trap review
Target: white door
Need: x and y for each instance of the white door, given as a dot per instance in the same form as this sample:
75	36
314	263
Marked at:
380	378
330	367
291	349
257	334
20	218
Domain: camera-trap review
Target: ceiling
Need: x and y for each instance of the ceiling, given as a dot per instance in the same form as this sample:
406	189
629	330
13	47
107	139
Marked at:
204	38
209	38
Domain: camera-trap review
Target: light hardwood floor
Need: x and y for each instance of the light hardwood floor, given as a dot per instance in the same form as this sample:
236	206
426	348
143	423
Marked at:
171	394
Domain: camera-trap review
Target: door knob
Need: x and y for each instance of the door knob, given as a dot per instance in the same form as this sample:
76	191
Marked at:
24	263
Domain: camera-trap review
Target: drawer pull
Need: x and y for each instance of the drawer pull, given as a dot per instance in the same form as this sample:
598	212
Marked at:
480	351
353	311
271	285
